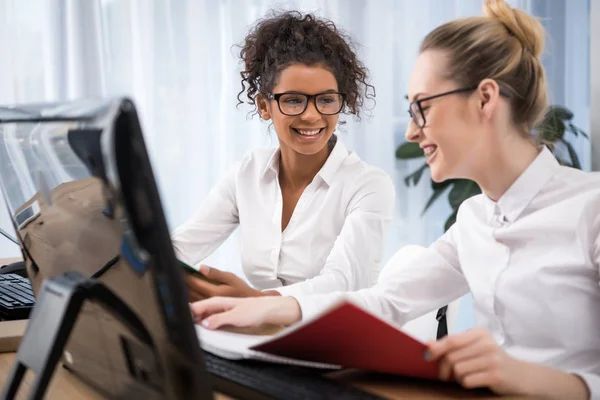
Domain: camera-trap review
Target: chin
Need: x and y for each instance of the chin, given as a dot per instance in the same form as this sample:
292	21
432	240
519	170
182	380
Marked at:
439	174
437	178
309	146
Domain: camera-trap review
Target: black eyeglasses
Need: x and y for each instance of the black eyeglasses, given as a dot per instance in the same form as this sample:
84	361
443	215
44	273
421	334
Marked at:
292	104
415	110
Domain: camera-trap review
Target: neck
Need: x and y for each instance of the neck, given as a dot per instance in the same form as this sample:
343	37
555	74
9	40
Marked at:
507	160
298	170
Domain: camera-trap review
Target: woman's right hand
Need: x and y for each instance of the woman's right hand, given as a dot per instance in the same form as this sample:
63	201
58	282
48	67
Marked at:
246	312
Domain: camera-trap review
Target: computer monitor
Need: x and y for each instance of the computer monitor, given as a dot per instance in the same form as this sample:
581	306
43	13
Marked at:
80	190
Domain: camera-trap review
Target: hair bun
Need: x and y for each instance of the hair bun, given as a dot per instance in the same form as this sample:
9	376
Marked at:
527	29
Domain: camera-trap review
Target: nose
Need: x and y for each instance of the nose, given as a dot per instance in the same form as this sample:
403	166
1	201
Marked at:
413	132
311	114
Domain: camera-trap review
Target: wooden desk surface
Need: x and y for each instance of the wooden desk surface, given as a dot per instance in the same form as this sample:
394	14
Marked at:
63	385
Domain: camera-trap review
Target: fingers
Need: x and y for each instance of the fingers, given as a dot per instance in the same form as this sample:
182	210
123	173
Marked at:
218	275
438	349
230	318
464	370
456	357
205	308
194	296
198	288
485	378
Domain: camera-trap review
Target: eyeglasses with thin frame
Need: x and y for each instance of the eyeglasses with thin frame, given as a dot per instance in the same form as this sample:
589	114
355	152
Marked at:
416	112
294	103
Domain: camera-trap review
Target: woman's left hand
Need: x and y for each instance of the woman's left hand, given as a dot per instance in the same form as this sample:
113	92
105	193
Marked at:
229	285
475	360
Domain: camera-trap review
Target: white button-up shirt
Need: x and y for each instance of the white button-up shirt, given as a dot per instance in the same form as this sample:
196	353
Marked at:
333	241
530	260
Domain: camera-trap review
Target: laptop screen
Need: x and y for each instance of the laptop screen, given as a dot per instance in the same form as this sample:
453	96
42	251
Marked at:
81	194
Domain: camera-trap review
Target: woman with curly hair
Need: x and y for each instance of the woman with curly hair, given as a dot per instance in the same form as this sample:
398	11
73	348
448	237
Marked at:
312	215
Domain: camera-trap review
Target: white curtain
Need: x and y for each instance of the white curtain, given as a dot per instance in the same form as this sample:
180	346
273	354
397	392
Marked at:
175	59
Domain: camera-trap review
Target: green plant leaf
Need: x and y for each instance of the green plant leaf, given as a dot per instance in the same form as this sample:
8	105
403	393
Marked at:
434	196
451	220
440	185
409	150
415	176
573	154
560	112
462	190
573	129
552	128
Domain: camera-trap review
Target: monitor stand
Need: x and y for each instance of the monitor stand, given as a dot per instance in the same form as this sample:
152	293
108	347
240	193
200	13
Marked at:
51	321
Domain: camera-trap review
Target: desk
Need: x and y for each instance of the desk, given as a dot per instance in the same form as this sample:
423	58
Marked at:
64	385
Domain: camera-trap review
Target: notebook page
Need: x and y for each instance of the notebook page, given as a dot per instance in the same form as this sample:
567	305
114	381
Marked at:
236	346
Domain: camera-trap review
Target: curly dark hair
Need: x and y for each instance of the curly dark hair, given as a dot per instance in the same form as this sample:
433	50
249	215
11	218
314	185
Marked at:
282	39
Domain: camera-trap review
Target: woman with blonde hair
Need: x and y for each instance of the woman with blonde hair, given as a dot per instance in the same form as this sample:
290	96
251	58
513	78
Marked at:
527	248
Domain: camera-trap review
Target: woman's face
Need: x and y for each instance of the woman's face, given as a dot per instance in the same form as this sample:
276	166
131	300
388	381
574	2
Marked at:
451	137
308	132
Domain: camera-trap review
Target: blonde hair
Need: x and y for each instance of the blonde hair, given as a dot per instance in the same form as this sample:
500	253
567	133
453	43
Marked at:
504	45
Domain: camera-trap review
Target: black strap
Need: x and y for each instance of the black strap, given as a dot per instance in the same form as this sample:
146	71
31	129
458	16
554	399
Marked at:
442	324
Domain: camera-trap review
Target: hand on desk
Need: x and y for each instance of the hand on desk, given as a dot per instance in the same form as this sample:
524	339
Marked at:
226	311
475	360
229	285
473	356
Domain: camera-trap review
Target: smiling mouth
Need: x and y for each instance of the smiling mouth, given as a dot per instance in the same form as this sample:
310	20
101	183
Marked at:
429	150
308	132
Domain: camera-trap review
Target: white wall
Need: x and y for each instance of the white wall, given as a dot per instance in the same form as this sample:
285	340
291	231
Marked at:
595	82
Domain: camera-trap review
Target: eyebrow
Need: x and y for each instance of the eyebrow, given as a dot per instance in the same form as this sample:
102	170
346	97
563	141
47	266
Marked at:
415	97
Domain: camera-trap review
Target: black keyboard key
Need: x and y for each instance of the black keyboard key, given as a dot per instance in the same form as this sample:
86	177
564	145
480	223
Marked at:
15	293
277	381
5	303
16	297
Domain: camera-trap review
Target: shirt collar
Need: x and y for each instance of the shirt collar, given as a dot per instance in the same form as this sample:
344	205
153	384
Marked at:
336	158
273	163
524	189
327	172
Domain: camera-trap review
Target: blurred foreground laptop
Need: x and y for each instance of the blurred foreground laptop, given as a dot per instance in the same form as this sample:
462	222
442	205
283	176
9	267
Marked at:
81	194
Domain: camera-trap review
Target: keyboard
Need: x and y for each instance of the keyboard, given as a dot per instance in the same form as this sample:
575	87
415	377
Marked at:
16	297
258	380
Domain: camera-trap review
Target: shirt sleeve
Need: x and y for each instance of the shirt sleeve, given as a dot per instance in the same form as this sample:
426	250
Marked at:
211	224
592	380
593	383
408	289
359	246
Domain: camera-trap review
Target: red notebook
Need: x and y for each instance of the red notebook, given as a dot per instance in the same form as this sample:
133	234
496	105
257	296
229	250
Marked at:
345	335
